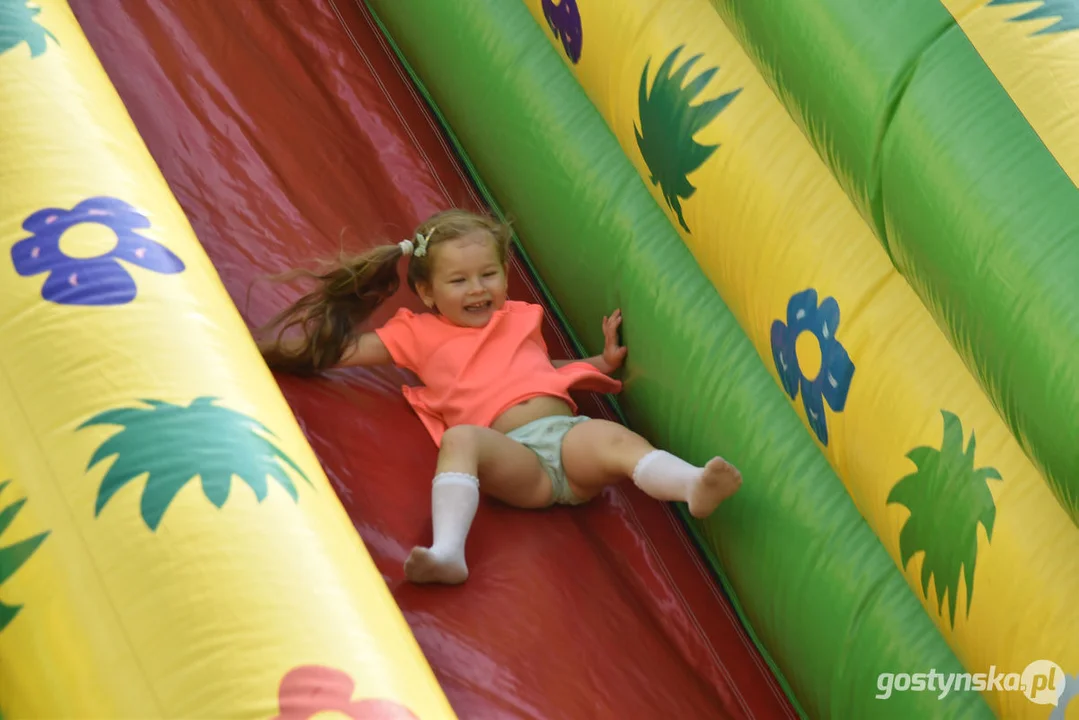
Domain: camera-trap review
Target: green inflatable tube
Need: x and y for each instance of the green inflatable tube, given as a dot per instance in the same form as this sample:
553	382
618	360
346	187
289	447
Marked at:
972	207
810	580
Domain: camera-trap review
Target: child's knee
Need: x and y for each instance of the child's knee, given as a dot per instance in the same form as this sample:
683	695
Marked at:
624	449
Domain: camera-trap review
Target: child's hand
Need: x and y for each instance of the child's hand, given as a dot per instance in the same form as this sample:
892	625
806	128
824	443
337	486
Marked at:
613	352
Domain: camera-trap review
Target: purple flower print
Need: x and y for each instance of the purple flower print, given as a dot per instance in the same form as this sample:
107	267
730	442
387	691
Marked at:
100	280
565	22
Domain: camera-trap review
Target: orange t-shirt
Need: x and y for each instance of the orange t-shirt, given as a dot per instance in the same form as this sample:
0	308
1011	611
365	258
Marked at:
472	375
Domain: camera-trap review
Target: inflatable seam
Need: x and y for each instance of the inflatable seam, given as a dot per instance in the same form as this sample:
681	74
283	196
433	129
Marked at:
896	94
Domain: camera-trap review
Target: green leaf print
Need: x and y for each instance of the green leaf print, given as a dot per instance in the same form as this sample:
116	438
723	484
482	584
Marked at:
1065	13
668	123
173	444
14	556
948	498
18	25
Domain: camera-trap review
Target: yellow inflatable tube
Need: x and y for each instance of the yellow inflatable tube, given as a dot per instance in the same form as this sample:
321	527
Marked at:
925	458
169	546
1032	46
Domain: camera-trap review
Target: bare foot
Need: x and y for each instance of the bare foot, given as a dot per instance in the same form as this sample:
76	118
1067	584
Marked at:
718	482
423	566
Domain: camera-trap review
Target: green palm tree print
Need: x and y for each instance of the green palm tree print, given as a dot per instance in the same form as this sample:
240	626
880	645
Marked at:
14	556
948	498
1065	13
173	444
668	124
18	25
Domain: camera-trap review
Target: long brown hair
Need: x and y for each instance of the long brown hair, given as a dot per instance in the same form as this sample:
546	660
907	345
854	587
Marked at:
354	286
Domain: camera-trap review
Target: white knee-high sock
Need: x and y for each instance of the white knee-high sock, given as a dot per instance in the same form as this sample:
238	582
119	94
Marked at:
455	497
665	476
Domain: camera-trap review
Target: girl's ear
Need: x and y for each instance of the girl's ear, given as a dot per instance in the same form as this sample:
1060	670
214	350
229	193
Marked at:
424	291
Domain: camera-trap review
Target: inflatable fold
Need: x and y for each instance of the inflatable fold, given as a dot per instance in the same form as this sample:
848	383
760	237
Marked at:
925	457
952	132
811	580
162	517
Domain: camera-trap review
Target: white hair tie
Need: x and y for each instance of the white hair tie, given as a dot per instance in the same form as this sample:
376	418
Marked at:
417	248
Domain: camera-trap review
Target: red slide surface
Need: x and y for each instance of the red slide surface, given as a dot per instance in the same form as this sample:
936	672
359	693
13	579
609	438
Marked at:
287	129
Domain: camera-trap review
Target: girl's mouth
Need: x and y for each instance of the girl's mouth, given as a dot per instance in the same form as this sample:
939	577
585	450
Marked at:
478	307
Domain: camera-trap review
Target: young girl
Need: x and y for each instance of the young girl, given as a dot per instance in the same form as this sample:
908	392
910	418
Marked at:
492	400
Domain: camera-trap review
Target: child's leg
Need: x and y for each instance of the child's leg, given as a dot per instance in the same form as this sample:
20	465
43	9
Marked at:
598	453
509	471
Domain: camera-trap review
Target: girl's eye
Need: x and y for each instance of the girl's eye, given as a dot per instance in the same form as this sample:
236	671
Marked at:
457	280
490	274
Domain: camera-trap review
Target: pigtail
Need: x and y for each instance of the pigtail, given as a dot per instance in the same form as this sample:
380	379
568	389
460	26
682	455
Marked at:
346	295
349	292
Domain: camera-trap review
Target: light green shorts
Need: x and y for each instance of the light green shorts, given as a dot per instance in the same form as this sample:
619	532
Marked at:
544	437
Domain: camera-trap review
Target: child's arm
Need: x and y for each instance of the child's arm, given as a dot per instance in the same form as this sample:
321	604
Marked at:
366	351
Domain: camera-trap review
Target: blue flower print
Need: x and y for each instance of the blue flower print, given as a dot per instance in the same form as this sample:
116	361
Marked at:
836	369
564	20
100	280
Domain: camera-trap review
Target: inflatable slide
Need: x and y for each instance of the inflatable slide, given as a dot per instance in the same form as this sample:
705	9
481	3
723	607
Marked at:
178	541
843	244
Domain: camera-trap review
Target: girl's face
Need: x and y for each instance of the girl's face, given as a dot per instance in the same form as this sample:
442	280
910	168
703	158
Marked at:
468	282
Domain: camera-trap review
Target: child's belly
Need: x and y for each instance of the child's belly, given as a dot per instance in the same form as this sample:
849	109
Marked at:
530	410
